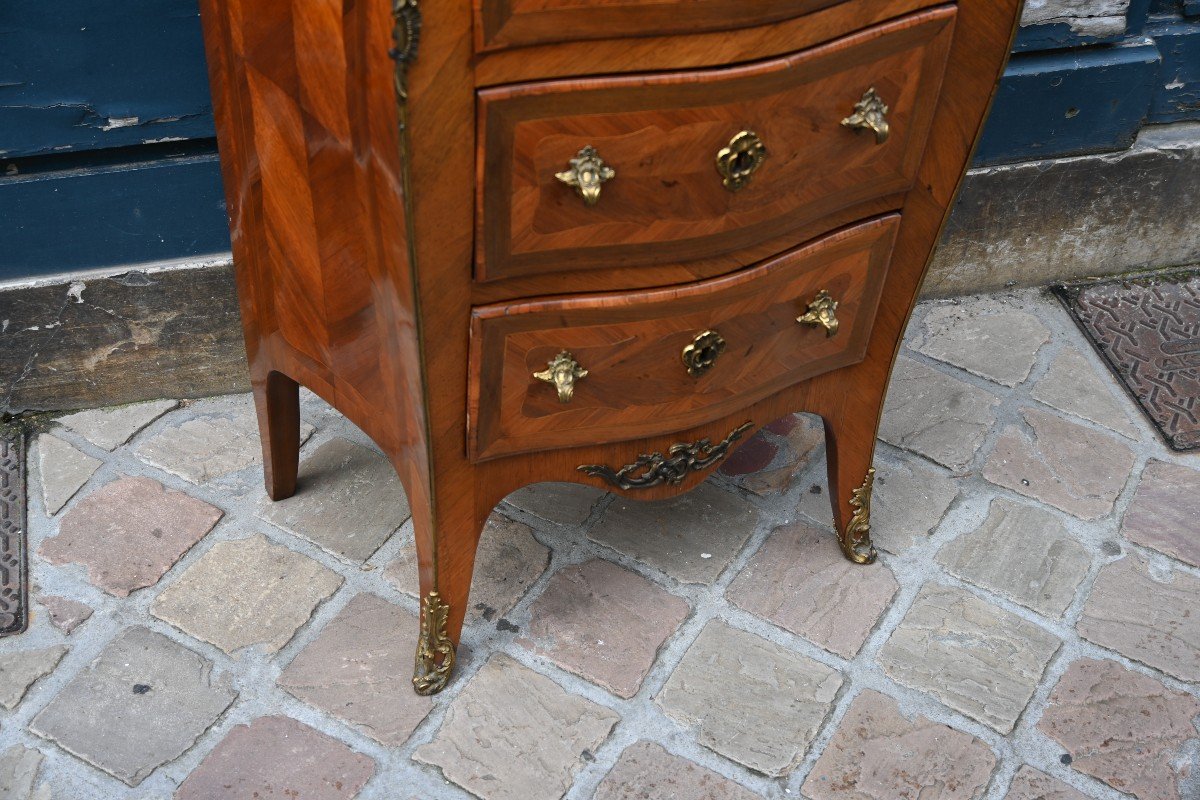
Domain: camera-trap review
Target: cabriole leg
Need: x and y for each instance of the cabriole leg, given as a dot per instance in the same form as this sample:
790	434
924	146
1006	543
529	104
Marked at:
277	403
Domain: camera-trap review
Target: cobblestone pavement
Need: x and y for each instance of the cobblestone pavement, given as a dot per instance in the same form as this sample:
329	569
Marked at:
1032	628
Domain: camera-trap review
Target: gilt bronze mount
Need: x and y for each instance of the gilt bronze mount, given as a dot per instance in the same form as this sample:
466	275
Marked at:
651	469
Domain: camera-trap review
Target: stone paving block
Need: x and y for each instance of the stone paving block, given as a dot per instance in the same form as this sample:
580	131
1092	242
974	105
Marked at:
128	533
1151	620
985	337
507	563
1126	729
1073	385
879	754
800	581
112	427
1068	466
246	592
349	501
141	703
935	415
803	436
65	614
645	770
1030	784
603	623
512	734
360	670
692	537
750	699
561	503
281	758
751	456
20	669
908	502
19	767
978	659
1024	553
205	448
62	471
1164	511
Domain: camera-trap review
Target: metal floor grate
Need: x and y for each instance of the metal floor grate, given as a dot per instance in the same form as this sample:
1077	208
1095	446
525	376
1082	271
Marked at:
1148	330
14	589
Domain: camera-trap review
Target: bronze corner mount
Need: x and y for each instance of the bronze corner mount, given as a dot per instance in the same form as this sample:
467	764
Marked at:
429	674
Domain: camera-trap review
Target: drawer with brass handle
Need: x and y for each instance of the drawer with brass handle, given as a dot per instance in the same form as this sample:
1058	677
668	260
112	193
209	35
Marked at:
667	359
670	168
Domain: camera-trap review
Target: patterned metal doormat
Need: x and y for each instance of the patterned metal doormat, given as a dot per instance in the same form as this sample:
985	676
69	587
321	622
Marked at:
1148	330
14	589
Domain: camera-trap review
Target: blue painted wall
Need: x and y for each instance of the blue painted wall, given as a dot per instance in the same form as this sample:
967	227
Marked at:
107	155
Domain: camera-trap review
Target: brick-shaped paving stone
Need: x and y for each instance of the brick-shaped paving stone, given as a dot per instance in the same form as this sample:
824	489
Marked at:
800	581
908	502
203	449
20	669
593	620
507	562
976	658
1030	784
645	770
750	699
935	415
752	455
512	734
1125	728
360	670
1024	553
803	435
112	427
141	703
129	533
278	757
1073	468
1164	512
562	503
62	471
19	767
1073	385
1154	621
692	537
246	592
65	614
349	501
984	336
878	753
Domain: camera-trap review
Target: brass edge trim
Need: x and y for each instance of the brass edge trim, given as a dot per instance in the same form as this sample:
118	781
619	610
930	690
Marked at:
655	468
856	539
430	676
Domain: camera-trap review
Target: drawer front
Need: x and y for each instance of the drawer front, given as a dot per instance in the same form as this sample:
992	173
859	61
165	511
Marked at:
632	346
508	23
661	135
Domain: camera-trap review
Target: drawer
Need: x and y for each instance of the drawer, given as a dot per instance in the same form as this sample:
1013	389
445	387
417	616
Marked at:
508	23
632	346
661	135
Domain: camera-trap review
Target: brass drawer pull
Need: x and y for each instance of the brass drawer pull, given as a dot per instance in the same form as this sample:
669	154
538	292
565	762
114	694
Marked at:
870	114
587	174
562	371
702	353
822	313
741	159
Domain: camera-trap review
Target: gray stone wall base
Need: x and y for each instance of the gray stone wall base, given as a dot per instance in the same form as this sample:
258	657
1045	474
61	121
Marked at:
87	342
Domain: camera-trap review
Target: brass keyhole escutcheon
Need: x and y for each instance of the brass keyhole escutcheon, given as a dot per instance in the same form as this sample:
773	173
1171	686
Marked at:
870	114
587	174
822	313
740	160
562	371
702	353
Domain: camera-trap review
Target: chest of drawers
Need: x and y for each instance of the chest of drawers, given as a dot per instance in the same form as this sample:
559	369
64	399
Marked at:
585	240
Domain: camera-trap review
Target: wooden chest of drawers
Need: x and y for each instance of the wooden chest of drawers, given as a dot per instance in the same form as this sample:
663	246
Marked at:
585	240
